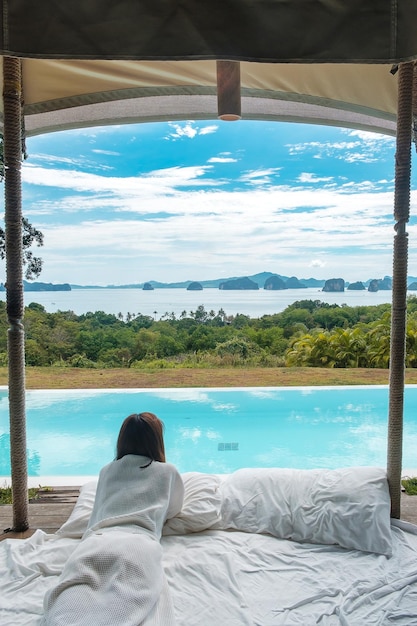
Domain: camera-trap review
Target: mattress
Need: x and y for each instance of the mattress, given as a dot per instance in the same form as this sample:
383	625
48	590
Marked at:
257	547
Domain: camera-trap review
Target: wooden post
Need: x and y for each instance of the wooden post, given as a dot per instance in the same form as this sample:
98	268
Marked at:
228	91
12	150
399	285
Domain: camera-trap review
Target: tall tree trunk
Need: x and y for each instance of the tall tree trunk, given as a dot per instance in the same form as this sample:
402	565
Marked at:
12	98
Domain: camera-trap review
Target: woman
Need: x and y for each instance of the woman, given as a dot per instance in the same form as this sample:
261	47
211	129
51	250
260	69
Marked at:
115	576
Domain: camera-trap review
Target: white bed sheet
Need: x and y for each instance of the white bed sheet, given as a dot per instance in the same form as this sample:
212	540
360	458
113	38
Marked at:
232	578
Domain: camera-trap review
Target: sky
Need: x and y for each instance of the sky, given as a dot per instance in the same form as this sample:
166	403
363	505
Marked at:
199	200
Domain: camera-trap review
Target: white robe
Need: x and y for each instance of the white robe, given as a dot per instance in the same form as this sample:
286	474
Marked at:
115	575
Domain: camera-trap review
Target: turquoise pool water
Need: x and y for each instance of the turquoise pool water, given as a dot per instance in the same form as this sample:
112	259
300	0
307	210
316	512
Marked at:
73	433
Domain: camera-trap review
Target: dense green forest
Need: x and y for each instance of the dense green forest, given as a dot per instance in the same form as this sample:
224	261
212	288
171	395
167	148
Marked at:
307	333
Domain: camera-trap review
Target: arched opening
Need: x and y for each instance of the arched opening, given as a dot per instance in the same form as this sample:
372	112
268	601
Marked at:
349	80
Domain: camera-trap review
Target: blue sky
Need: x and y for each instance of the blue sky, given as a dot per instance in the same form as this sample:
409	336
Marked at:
197	200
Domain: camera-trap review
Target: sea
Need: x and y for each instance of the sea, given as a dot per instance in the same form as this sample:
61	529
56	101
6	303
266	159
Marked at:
160	303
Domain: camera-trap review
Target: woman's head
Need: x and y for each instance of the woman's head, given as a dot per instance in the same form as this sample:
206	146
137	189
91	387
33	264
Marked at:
141	433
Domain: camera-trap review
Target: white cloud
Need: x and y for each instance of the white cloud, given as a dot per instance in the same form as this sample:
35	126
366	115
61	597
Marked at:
308	177
48	158
215	229
168	223
189	130
220	159
366	147
368	136
156	183
208	130
354	157
179	131
107	152
75	162
260	177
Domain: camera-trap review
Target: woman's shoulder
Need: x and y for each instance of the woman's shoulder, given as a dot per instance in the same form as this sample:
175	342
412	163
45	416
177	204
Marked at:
168	470
172	468
131	462
127	461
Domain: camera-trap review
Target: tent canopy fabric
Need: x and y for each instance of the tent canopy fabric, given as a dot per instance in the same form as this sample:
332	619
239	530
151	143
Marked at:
62	94
371	31
100	62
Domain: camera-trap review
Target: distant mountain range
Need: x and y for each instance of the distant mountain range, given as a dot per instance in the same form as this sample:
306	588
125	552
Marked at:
37	286
259	278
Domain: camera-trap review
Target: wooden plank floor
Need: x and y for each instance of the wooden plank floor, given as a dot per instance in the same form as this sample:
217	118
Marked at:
54	506
48	512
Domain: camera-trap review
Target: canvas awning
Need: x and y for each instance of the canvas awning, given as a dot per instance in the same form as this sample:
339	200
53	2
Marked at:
89	62
325	61
372	31
62	94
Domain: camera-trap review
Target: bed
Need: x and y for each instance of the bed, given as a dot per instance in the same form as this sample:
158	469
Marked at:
258	547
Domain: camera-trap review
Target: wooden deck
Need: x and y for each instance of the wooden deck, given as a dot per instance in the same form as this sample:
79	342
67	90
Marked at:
48	512
53	507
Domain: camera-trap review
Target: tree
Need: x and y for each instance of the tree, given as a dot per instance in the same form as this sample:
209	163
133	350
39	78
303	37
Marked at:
379	339
30	236
350	346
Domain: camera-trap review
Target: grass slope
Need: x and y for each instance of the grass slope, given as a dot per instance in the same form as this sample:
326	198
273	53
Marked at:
78	378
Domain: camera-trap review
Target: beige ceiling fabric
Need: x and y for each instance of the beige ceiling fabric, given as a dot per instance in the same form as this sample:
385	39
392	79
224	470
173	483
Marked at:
64	94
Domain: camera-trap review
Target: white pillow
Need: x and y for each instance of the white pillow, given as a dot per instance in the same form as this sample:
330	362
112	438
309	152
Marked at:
200	511
77	523
201	508
348	507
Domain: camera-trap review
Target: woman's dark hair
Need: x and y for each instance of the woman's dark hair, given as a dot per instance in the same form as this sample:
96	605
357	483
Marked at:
141	433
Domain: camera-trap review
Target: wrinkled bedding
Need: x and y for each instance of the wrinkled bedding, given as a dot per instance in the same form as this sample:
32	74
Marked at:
221	570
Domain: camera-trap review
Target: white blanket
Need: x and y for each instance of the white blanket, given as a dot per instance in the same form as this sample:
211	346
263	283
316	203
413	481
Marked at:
112	577
228	578
245	579
230	556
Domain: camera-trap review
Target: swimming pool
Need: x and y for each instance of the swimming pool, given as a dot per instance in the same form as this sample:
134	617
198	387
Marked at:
73	432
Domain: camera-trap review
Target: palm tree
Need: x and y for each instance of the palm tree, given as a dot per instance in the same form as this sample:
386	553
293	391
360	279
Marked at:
379	338
299	351
350	346
322	353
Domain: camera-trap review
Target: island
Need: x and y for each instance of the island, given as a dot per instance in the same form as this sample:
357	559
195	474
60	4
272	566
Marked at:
195	286
294	283
377	284
239	283
334	285
275	283
42	286
358	286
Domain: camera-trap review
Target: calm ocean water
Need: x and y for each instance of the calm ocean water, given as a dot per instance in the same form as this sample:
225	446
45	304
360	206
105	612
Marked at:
160	301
